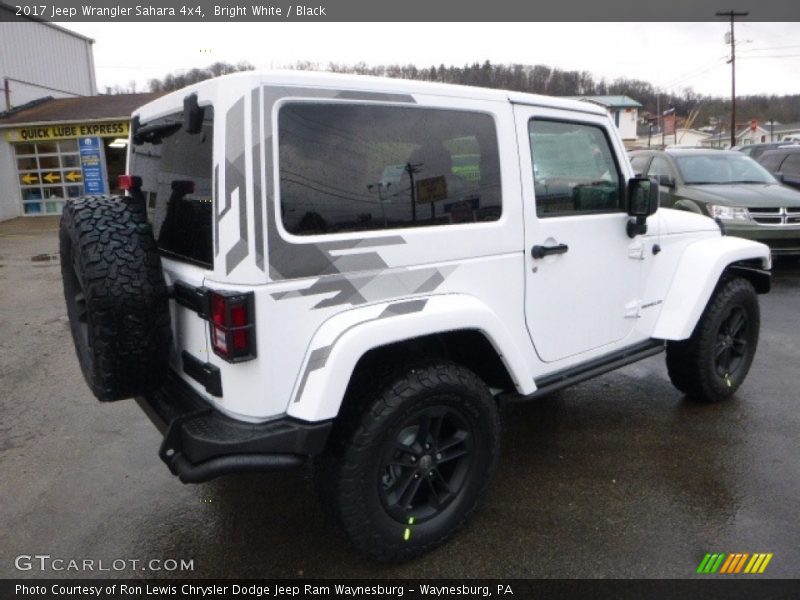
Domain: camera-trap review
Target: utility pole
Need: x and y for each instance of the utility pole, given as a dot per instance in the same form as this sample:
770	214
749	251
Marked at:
732	14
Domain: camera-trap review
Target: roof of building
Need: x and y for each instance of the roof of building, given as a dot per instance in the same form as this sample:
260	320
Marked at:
83	108
611	101
12	17
781	127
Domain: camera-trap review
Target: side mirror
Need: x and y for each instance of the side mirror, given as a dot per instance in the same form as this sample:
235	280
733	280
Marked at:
641	201
666	180
780	177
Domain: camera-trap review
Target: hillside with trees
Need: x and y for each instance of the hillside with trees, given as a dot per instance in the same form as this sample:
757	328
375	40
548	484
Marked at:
541	79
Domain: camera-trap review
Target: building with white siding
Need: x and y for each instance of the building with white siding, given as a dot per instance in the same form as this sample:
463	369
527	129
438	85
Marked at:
40	59
58	138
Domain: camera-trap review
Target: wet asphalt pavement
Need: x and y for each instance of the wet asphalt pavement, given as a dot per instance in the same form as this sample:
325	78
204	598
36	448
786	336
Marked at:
617	477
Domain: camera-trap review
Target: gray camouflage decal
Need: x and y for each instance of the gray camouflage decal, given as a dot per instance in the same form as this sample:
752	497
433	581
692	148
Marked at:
362	288
319	356
235	179
308	259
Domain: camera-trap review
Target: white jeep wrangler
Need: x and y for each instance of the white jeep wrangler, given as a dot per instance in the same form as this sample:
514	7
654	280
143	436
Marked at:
360	269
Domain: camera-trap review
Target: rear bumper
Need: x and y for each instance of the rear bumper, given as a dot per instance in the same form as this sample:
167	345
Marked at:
201	443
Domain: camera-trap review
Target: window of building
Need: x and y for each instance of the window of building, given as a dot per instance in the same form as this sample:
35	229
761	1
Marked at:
574	170
48	173
346	167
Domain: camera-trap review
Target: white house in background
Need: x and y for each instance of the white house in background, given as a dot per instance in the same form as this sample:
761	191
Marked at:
682	137
624	111
687	137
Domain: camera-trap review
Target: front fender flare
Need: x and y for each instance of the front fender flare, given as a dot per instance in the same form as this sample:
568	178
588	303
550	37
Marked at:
699	269
342	340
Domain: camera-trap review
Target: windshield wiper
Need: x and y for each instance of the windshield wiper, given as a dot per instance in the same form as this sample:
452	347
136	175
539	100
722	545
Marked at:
748	181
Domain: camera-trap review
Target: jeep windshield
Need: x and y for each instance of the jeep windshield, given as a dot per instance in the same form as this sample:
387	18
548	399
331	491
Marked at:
176	171
710	169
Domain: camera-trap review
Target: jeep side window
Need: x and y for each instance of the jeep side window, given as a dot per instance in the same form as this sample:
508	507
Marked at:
574	170
355	167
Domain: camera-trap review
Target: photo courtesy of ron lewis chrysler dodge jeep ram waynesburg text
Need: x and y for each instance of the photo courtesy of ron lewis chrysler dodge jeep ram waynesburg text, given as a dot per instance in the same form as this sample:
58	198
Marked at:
358	270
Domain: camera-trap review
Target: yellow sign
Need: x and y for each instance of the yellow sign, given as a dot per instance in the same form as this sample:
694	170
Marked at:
42	133
29	178
51	177
431	189
73	176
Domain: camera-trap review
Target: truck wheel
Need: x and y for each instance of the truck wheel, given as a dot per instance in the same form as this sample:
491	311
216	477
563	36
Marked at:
116	296
404	471
712	364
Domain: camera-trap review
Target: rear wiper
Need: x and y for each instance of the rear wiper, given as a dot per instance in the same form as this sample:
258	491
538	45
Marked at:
154	133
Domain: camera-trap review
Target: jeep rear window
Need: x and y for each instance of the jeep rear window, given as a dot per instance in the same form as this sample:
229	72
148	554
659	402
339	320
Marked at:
176	171
346	167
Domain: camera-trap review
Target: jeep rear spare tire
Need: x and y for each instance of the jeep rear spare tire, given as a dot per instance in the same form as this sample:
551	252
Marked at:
116	296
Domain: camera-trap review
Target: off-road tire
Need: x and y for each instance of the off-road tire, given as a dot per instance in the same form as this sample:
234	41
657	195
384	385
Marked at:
116	296
694	365
350	475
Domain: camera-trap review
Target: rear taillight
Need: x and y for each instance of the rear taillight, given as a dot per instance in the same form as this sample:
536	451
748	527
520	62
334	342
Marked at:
233	325
129	183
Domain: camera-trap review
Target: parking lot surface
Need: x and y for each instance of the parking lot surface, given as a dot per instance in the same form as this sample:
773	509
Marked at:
617	477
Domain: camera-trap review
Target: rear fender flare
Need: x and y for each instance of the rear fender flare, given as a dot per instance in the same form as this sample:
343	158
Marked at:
342	340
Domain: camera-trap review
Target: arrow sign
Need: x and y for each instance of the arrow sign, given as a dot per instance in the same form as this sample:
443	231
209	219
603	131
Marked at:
52	177
74	176
29	178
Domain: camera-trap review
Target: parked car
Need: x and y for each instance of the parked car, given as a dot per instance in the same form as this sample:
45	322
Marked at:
729	186
756	150
361	269
784	164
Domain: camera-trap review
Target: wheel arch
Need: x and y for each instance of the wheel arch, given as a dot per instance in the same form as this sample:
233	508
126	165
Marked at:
703	265
452	326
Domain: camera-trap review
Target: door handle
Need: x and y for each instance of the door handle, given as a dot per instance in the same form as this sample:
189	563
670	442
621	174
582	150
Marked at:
542	251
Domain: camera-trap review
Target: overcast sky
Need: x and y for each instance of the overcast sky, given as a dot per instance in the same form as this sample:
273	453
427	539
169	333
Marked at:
672	56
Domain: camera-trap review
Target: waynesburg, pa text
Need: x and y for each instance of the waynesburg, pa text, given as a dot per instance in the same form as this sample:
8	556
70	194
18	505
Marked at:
256	590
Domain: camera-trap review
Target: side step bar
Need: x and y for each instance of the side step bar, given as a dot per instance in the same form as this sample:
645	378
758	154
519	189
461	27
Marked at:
590	369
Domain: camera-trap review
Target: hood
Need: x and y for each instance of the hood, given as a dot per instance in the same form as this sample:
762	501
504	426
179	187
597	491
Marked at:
682	221
742	194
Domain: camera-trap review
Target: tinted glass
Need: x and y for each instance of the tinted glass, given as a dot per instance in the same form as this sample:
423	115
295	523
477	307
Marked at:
791	166
573	168
176	167
771	162
660	166
357	167
721	168
639	163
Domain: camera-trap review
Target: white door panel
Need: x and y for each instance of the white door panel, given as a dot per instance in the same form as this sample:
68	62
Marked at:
586	296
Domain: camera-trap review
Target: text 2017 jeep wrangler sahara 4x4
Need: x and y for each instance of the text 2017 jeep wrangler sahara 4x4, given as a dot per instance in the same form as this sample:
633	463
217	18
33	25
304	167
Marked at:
358	269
